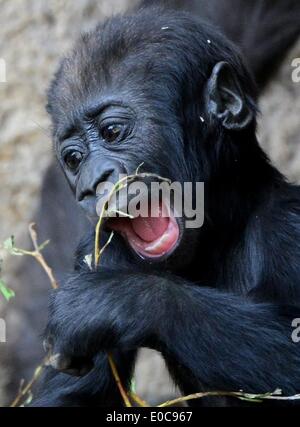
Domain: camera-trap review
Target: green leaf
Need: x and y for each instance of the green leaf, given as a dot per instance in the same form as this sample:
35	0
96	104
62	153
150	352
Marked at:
88	260
9	244
43	245
133	386
6	292
252	399
29	399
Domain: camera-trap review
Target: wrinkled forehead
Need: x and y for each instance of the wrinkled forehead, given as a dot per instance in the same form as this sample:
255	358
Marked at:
139	76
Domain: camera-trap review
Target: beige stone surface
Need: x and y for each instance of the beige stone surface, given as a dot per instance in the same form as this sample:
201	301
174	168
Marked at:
33	35
280	119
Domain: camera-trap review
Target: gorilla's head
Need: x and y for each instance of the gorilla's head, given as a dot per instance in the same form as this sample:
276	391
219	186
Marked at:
164	91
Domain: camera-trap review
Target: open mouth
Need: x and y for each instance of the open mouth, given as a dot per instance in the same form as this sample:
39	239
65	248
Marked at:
153	236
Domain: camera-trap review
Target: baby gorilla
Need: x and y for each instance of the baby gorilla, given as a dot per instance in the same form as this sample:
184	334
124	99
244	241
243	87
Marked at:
163	89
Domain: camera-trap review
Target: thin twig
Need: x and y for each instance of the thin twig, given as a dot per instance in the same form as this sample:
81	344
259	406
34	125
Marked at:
118	381
116	188
138	400
24	391
238	395
120	185
97	256
39	256
107	243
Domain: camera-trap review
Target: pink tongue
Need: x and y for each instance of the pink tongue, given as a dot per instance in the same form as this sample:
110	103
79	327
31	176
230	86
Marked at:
150	229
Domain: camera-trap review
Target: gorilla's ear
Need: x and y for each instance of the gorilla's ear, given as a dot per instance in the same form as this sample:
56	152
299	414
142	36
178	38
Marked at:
225	98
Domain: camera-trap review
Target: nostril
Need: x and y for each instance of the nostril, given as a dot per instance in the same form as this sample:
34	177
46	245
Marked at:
103	178
85	194
90	191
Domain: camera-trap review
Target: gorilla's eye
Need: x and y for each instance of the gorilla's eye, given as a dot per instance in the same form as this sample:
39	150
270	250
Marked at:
73	159
111	133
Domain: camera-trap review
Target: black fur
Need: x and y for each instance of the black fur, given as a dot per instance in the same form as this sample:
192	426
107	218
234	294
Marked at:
220	309
263	29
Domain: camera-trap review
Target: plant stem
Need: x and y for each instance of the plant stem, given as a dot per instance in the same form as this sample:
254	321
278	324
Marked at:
39	256
118	381
24	391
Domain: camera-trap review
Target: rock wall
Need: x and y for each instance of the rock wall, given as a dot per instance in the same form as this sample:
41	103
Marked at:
279	130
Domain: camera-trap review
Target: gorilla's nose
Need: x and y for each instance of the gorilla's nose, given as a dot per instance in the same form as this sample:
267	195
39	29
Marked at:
94	173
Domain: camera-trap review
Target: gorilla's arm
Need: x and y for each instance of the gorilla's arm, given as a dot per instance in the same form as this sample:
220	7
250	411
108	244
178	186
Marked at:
220	341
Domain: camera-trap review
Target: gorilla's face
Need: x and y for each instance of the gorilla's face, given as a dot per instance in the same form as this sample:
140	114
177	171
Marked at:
117	139
123	104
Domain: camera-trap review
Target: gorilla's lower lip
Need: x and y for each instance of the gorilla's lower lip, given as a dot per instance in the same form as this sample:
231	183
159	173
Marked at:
150	237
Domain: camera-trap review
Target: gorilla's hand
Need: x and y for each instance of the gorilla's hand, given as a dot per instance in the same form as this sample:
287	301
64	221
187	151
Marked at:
102	311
